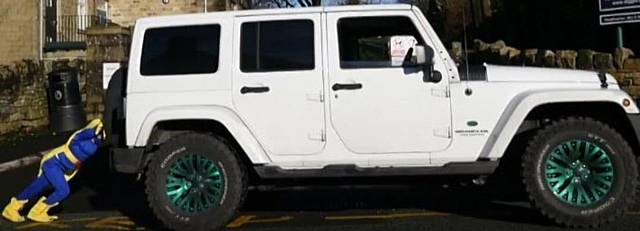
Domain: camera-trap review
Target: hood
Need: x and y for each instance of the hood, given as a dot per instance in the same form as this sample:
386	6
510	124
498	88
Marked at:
538	74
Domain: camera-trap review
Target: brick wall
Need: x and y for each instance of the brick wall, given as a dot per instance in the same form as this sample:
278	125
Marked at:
19	30
125	12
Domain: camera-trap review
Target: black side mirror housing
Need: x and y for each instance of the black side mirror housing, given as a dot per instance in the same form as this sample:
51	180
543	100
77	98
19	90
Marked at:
429	74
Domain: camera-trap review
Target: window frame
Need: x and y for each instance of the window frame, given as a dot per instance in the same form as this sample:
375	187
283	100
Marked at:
141	51
313	45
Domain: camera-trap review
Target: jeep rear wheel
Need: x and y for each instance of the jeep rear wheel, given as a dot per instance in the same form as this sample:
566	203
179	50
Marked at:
580	172
195	182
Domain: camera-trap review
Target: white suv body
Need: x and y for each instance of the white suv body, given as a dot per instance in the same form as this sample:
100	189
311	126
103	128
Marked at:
395	120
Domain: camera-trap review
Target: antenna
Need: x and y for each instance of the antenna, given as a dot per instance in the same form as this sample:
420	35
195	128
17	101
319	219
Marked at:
467	91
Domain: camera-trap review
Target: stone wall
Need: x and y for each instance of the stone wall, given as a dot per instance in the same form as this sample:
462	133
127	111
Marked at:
104	45
23	92
23	101
125	12
19	30
629	77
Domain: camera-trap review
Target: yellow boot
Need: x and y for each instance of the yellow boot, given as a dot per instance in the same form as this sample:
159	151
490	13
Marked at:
12	210
39	212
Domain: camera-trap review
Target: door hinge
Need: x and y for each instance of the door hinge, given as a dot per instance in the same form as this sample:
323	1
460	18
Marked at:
321	136
444	132
440	92
319	97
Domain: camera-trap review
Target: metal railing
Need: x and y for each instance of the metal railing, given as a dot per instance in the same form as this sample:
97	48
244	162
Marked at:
67	32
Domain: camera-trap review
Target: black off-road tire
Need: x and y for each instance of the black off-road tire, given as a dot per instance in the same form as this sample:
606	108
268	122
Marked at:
214	148
622	193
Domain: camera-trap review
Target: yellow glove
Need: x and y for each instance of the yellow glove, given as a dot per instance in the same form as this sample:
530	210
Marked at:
98	126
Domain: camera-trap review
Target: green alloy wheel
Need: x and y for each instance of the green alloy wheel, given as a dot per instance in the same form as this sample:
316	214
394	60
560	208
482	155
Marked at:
579	173
194	183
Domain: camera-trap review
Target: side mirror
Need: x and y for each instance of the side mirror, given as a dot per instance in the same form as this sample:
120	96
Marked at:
426	54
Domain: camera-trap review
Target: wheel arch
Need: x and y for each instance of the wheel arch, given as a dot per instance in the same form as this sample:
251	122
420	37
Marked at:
608	112
527	111
161	124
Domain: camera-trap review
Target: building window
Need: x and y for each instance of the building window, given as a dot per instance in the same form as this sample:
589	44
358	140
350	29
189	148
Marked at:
277	46
181	50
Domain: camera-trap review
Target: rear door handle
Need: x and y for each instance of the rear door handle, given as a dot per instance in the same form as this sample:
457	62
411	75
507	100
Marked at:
245	90
346	86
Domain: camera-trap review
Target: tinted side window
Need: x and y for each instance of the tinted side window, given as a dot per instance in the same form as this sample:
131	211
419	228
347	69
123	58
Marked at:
364	41
181	50
277	46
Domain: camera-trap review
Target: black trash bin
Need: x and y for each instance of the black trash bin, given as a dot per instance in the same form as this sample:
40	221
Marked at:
65	104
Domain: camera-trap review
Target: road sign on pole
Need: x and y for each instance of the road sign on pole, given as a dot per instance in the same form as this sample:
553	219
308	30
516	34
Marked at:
619	11
628	11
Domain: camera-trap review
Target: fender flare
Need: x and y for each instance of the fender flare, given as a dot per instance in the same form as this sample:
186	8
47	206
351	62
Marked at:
517	110
238	129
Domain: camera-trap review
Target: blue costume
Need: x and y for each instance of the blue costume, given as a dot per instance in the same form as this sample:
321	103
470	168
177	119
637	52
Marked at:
83	145
56	169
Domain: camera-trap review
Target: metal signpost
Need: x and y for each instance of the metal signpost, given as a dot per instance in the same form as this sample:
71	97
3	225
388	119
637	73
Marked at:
616	12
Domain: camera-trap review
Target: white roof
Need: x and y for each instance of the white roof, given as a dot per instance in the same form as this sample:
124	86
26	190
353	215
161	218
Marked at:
317	9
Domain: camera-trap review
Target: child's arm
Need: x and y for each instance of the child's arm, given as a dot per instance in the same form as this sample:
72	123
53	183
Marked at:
85	134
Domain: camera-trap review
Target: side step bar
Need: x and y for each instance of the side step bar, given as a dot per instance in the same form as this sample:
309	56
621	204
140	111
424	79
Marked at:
334	171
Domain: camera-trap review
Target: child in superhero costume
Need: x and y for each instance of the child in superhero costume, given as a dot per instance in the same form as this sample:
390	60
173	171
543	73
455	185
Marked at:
56	168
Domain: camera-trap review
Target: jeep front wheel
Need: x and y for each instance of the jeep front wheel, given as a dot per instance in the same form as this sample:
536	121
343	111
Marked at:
580	172
195	182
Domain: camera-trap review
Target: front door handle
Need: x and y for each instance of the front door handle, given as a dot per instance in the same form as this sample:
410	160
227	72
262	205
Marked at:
245	90
346	86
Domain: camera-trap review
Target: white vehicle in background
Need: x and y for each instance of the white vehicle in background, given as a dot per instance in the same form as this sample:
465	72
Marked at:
210	99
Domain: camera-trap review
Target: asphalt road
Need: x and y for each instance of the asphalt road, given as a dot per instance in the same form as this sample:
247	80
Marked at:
103	200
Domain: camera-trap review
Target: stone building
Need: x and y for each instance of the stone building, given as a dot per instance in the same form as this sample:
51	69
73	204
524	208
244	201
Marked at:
30	29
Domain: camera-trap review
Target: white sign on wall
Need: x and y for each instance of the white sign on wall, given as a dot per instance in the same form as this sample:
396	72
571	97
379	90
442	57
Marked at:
398	48
108	69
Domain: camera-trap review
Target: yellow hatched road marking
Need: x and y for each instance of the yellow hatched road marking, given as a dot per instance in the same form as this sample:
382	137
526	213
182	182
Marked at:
242	220
56	224
119	223
384	216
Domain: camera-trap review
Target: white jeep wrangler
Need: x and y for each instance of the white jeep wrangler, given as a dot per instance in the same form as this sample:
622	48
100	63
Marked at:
354	91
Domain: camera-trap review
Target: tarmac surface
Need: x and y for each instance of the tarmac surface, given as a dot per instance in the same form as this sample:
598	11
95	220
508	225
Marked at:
103	200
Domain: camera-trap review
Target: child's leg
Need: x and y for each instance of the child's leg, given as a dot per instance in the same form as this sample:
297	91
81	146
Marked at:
55	175
35	189
53	171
